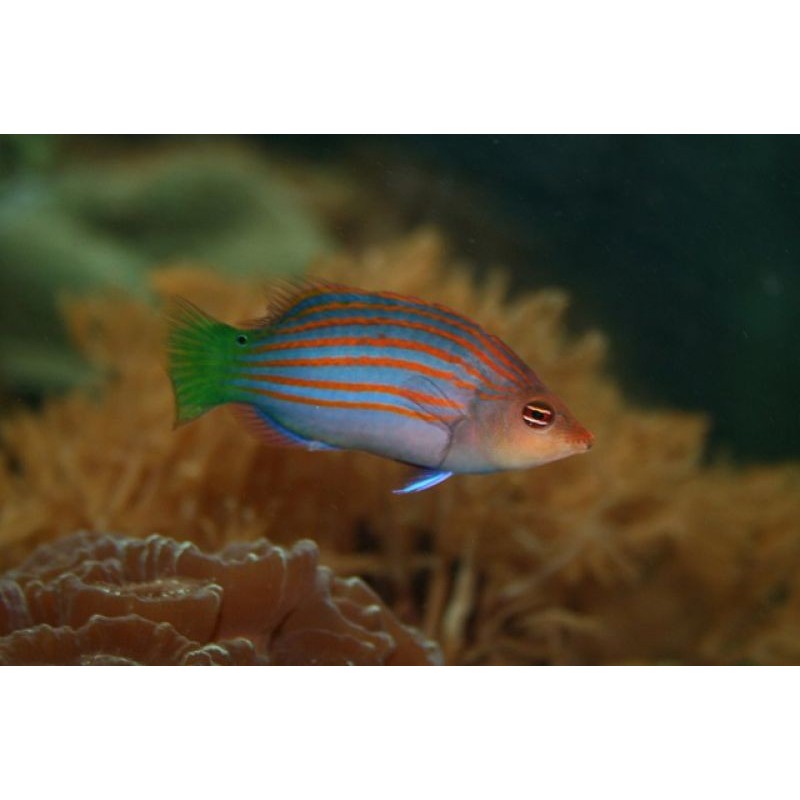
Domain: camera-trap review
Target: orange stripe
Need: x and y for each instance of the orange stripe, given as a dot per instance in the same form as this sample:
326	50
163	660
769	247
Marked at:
345	404
366	361
357	341
420	397
401	323
438	313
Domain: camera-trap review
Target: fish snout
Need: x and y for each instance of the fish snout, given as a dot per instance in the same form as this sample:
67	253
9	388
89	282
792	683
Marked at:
584	440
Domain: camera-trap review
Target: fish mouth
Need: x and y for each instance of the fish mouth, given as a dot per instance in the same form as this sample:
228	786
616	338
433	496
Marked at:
584	440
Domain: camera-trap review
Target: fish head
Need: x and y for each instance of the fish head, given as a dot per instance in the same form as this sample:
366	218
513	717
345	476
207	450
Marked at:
532	428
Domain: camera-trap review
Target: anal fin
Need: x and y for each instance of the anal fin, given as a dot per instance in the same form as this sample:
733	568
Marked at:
272	432
423	479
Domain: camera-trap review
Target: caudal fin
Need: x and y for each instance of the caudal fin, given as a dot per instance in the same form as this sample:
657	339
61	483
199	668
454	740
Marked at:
200	359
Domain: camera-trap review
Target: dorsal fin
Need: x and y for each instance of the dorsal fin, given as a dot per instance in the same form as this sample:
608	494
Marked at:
284	293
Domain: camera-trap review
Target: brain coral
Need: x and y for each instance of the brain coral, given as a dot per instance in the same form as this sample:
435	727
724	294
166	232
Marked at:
636	552
103	599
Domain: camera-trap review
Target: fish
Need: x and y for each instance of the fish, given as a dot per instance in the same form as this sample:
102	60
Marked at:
332	367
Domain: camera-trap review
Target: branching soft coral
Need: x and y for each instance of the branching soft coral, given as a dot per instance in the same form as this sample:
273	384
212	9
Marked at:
632	553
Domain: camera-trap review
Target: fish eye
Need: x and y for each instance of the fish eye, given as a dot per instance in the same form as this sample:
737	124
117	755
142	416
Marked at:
241	339
538	415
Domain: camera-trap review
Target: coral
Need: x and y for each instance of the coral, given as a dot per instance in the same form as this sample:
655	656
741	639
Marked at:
635	552
103	599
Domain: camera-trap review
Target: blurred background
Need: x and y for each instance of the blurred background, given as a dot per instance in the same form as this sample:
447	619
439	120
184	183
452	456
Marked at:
683	249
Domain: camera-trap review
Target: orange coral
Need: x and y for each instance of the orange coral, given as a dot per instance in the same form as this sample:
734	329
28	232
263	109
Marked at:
634	552
115	599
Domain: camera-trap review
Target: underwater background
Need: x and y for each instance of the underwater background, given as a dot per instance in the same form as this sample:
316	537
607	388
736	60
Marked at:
650	280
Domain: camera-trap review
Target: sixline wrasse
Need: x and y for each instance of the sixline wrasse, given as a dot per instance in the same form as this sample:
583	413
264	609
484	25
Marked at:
337	368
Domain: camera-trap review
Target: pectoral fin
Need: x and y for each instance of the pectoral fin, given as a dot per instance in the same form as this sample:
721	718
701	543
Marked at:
430	397
423	479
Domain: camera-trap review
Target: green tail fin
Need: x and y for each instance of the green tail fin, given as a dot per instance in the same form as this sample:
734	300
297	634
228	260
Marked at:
201	360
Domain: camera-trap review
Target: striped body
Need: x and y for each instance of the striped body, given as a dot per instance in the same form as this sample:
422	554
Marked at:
334	367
